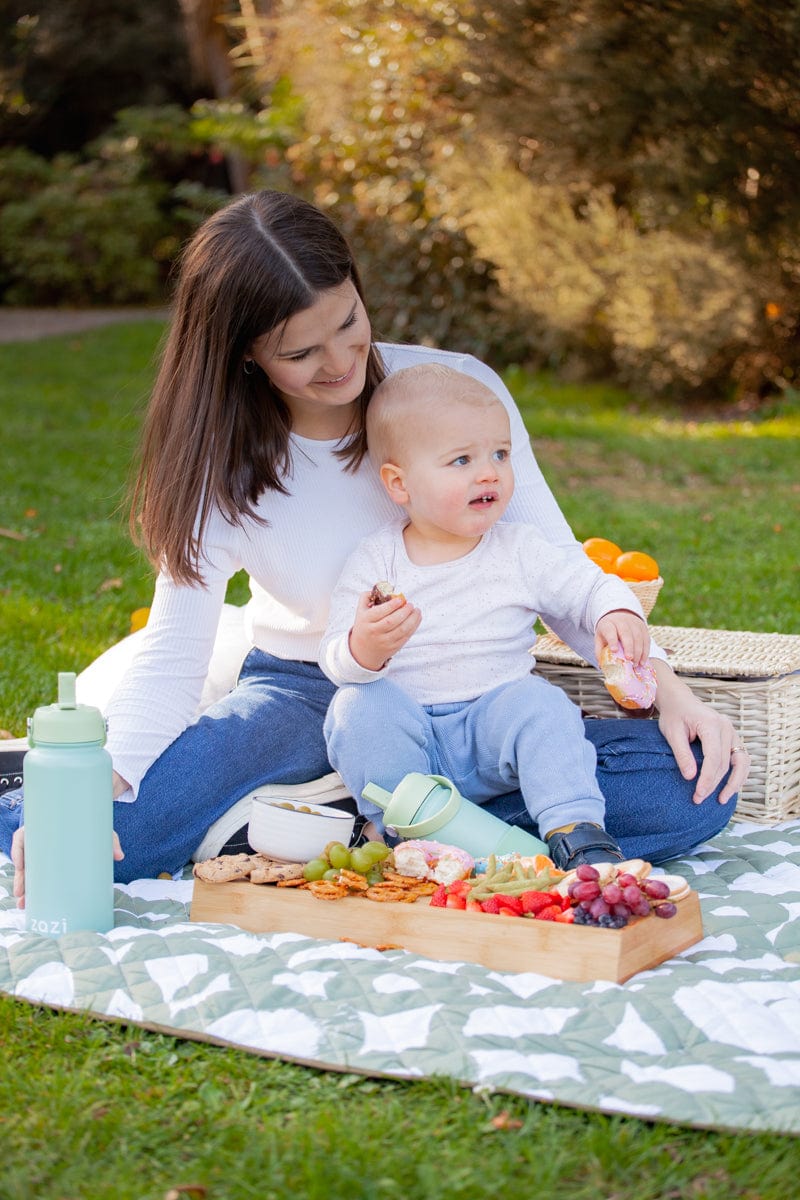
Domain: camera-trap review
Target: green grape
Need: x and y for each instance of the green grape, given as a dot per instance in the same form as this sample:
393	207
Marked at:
375	874
314	869
331	873
338	855
360	861
376	851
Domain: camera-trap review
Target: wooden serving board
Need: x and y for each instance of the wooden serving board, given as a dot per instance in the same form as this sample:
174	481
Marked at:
569	952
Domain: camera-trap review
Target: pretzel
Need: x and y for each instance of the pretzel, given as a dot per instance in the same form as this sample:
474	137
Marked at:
390	876
386	892
353	880
326	889
424	887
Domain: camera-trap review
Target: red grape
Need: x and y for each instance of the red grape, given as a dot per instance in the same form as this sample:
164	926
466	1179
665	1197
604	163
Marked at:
656	889
612	893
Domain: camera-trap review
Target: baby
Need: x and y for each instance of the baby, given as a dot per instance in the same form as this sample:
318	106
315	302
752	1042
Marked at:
438	679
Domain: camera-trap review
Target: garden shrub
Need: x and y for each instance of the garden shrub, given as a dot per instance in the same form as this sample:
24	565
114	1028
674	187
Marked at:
84	235
660	312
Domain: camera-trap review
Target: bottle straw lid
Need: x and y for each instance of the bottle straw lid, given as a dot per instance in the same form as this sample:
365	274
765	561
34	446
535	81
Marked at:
402	805
66	722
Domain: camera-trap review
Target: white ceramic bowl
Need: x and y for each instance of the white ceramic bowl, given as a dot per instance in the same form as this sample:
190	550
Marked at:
298	832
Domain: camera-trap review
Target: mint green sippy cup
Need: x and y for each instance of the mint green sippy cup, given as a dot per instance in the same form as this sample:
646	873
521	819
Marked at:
67	781
430	806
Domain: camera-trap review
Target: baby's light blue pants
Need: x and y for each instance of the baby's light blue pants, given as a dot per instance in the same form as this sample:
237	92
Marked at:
525	735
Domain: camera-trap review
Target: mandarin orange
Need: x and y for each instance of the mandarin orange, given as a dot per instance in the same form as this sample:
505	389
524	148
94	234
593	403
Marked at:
602	552
635	566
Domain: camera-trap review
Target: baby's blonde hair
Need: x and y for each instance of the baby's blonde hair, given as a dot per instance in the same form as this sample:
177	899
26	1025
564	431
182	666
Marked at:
409	393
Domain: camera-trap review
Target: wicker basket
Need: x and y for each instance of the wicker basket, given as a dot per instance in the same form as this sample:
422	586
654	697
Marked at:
753	678
646	592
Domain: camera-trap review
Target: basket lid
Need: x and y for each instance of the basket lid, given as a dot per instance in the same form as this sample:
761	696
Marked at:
720	653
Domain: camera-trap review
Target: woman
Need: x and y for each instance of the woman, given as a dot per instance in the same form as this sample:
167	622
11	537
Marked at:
254	458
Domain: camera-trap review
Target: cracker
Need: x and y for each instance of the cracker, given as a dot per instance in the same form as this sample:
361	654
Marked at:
678	887
634	866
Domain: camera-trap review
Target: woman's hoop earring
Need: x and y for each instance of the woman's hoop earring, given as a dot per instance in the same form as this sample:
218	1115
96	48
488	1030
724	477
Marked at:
249	366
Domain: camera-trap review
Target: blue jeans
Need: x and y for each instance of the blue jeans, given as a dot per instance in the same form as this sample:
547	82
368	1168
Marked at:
526	734
269	729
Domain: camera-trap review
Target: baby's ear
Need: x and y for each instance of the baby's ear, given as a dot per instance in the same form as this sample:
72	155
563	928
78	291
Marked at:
394	481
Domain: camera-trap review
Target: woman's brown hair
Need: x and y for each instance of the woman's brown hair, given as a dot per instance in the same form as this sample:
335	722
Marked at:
213	434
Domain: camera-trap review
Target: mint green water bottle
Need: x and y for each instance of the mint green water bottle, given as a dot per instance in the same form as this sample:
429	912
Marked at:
67	780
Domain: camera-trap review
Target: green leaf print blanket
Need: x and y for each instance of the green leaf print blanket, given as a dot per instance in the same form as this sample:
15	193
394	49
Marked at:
710	1038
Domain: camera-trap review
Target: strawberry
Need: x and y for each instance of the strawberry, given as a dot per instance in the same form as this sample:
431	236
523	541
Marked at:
533	902
491	904
505	911
439	897
453	900
474	906
460	887
566	916
550	913
514	903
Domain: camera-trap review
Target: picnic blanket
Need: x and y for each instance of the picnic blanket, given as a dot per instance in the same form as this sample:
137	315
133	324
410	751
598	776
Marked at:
710	1038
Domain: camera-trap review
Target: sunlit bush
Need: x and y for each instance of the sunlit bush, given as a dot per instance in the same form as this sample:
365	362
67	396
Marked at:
660	312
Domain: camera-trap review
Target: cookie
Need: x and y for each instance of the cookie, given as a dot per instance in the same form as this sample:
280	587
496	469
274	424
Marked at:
269	870
225	869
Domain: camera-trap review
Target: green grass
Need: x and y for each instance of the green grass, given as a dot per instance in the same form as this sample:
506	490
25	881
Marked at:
94	1110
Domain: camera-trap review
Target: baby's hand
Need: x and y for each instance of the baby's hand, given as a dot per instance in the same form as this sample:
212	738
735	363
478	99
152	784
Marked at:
380	630
627	630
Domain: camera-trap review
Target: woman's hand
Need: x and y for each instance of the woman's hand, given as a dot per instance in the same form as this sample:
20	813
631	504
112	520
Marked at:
683	717
18	859
380	630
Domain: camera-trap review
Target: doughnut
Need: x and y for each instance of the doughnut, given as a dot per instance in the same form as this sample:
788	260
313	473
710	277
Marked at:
432	860
631	686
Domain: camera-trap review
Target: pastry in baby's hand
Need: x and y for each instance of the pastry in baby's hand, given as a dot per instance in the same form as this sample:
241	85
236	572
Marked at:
381	592
631	686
